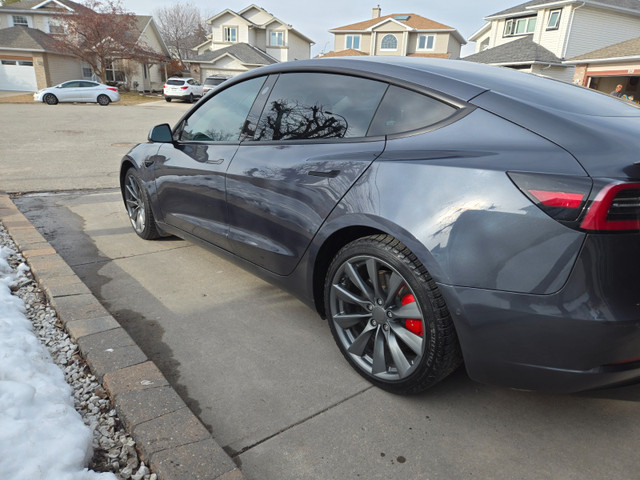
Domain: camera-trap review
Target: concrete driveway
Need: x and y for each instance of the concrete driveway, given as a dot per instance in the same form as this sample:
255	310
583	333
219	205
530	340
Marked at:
259	368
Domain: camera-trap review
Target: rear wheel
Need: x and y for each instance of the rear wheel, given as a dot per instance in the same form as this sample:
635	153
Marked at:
104	100
190	99
167	99
138	206
388	317
50	99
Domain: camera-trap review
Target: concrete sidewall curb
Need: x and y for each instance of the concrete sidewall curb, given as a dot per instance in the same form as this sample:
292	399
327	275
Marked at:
169	437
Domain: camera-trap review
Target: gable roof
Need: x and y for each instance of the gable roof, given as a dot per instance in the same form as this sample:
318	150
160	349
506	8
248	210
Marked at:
243	52
629	49
414	22
42	6
518	52
25	38
350	52
527	8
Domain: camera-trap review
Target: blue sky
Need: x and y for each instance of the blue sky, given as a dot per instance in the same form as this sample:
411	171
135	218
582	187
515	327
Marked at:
314	19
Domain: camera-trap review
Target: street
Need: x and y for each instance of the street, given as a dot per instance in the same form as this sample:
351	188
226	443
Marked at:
258	367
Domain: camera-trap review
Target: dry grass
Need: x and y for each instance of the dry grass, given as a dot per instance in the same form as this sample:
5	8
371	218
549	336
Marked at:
126	98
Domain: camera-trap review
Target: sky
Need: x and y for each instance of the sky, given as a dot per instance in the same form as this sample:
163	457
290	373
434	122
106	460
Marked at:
314	19
42	436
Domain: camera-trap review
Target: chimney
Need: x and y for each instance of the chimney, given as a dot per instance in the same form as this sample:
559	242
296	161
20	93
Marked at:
375	12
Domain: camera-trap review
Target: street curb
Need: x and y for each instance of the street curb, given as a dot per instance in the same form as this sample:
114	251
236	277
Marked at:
170	439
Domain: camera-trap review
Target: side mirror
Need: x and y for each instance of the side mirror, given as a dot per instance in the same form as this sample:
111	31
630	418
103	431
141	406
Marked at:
161	134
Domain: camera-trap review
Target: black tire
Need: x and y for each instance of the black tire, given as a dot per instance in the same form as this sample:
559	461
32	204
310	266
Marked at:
190	99
104	100
388	317
136	200
167	99
50	99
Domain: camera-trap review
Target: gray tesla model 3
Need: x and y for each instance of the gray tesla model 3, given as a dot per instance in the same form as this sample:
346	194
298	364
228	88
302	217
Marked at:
434	211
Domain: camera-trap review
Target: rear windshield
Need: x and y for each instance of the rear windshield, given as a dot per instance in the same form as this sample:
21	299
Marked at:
175	82
214	81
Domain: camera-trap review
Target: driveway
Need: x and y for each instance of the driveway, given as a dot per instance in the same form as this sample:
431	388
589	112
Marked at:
259	368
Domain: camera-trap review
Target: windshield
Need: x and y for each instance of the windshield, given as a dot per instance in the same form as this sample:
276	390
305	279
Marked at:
175	82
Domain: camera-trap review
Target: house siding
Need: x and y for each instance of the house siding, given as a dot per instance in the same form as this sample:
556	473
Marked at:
299	49
594	29
62	68
453	47
553	40
557	73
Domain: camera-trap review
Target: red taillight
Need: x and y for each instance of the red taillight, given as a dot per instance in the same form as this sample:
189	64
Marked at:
164	86
616	207
558	199
113	89
184	88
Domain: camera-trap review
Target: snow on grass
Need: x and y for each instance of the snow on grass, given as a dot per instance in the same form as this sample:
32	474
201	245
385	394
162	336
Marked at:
42	437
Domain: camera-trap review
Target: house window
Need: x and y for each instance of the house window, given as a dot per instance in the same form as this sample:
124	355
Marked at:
231	34
554	20
55	28
277	39
519	26
389	42
20	20
426	42
25	63
353	41
112	74
87	72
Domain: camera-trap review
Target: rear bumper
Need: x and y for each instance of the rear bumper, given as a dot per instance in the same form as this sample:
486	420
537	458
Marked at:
585	336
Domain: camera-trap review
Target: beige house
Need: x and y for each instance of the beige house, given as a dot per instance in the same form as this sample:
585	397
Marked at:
403	34
29	59
240	41
608	67
537	36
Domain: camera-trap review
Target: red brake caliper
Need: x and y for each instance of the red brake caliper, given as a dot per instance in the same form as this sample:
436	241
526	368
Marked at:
414	325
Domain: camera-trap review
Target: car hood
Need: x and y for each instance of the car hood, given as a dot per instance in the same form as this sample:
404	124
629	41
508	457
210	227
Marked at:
605	145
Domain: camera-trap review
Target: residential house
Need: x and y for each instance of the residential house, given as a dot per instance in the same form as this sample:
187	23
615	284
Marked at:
539	35
241	41
403	34
30	60
605	68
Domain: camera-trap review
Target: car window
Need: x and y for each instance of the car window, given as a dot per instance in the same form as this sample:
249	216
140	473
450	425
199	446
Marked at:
70	85
88	84
319	105
175	82
402	110
222	117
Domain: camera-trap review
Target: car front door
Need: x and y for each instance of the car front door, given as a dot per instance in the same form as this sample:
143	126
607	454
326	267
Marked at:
309	147
190	173
69	92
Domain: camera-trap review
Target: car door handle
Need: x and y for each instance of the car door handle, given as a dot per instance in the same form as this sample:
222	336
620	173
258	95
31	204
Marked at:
329	174
216	162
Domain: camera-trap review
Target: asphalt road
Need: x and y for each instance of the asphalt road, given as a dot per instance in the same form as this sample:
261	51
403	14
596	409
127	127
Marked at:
259	368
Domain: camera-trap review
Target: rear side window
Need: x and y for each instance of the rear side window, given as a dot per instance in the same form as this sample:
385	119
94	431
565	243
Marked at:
402	110
306	106
222	118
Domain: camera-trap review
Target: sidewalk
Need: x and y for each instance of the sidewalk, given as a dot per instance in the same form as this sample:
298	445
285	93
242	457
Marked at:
170	438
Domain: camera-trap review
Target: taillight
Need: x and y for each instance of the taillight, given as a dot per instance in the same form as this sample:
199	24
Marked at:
112	89
616	207
184	88
577	202
164	86
559	196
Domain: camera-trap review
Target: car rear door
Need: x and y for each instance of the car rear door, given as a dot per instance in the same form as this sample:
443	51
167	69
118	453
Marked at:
190	173
309	147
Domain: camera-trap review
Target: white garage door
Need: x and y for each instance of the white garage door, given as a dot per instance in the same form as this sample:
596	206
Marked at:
17	75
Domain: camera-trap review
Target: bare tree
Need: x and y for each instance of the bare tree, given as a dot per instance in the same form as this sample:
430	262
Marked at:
182	28
101	32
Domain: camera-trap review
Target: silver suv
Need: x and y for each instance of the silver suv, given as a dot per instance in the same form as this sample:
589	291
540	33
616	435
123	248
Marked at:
182	88
211	82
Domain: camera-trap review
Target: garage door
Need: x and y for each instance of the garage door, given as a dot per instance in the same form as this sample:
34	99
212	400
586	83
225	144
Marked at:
17	74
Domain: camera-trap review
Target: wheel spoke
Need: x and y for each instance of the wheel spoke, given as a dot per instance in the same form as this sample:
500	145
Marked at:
395	281
359	344
402	364
372	268
349	297
359	282
411	340
379	363
410	310
345	320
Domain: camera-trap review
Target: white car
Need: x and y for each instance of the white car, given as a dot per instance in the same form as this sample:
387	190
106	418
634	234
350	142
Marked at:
186	89
78	91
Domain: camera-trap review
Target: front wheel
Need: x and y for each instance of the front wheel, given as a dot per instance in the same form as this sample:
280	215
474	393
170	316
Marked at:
136	200
388	317
167	99
50	99
104	100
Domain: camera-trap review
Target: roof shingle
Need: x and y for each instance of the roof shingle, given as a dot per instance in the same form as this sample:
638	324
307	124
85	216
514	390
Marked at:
414	21
523	50
244	52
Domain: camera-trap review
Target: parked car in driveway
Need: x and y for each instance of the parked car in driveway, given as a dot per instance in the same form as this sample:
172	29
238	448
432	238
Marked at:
434	211
212	82
187	89
78	91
